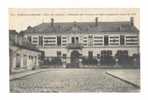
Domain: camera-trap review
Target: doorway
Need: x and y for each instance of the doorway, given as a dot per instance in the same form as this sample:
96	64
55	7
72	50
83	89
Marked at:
75	55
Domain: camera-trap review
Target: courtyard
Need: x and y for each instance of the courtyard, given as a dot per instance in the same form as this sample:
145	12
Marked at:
70	80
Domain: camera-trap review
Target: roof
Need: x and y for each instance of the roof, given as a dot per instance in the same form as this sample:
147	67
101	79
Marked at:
13	32
24	47
82	27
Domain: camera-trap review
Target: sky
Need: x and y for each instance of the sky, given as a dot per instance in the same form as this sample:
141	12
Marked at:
20	19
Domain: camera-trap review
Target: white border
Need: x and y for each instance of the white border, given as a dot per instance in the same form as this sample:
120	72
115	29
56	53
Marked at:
4	76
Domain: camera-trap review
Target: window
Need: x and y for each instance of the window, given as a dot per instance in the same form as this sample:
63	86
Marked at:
122	41
47	41
34	41
64	56
131	36
122	52
29	38
98	55
131	43
58	40
72	40
40	40
35	38
90	36
98	44
49	44
58	53
64	37
64	41
106	53
84	37
49	37
90	54
98	37
90	40
105	40
97	40
77	40
84	40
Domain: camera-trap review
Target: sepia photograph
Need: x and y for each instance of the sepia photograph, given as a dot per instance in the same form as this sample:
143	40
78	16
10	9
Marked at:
74	50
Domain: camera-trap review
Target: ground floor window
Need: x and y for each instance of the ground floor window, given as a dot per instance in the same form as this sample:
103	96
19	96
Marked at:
64	56
90	54
58	53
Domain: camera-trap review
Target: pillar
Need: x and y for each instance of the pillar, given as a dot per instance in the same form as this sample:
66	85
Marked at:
22	56
13	61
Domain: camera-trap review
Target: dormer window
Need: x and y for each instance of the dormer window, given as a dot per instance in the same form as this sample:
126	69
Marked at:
29	27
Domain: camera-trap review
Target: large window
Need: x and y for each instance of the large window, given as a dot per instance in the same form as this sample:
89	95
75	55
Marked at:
106	53
90	40
122	41
72	40
90	54
29	38
59	40
105	40
40	40
77	40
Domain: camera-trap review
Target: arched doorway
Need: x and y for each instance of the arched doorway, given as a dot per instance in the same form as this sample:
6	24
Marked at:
74	59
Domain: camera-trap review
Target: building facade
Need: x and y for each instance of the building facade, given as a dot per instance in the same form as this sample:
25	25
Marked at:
75	43
22	55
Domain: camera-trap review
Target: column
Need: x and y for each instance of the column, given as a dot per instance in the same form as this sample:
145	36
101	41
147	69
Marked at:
22	56
37	61
28	61
13	61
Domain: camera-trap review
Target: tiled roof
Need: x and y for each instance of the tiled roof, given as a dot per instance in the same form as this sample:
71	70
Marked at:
81	27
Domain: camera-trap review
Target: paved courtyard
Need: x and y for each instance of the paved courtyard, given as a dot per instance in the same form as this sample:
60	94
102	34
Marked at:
71	80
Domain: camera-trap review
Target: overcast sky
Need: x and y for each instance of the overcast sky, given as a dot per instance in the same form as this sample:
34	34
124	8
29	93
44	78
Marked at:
19	19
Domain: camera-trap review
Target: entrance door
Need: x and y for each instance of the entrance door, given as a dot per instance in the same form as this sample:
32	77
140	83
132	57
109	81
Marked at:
106	57
75	59
123	57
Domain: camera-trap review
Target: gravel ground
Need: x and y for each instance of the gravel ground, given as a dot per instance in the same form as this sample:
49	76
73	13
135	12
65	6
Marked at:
70	80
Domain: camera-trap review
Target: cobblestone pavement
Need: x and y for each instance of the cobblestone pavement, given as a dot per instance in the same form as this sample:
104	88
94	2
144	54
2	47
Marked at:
70	80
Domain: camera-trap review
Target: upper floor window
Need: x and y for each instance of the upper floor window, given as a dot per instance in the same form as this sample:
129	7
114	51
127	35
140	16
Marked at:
105	40
90	40
29	38
77	40
122	40
40	40
72	40
58	40
90	36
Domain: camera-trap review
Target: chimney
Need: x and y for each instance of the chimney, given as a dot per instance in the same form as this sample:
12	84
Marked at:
96	21
132	21
52	22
